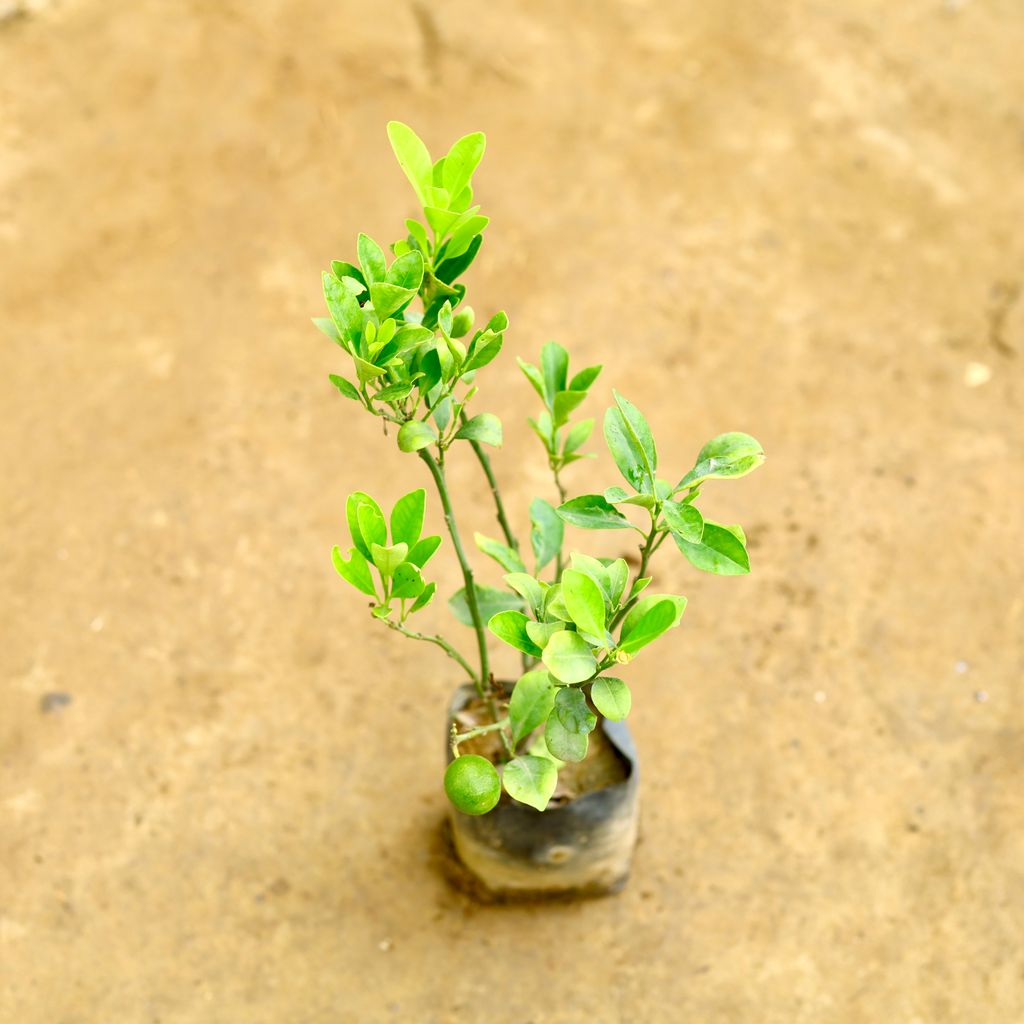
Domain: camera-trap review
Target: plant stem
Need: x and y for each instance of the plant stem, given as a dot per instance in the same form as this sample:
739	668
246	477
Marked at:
647	549
460	737
559	559
435	639
485	463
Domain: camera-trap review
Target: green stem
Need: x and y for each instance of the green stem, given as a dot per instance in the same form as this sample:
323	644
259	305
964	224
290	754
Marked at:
647	549
559	560
460	737
435	639
485	464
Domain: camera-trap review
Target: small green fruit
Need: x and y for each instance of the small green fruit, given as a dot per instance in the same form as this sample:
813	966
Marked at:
472	784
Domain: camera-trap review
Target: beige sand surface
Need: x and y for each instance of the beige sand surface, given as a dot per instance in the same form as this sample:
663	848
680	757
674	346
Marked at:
803	219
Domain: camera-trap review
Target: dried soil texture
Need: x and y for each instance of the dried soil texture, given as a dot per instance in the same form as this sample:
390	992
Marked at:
221	786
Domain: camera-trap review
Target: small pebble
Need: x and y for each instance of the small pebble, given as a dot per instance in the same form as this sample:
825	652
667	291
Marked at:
385	945
97	624
981	696
54	701
820	697
976	374
961	667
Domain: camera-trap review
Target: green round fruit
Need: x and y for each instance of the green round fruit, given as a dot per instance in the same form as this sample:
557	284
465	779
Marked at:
472	784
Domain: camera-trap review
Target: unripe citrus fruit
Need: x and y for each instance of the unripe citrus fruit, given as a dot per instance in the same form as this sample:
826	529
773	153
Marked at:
472	784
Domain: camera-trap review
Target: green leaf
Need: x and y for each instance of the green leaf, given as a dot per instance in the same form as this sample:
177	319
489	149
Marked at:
611	697
631	444
685	521
412	156
569	658
529	588
371	259
618	576
355	499
426	596
592	512
407	518
423	550
729	456
452	268
572	711
484	428
648	619
440	219
639	586
344	309
547	532
489	600
578	435
388	558
585	602
530	780
407	581
328	326
534	376
562	743
415	434
593	568
505	556
462	161
348	389
720	550
532	700
554	605
355	569
510	627
541	632
565	402
389	298
583	379
554	361
419	234
371	526
482	351
341	269
367	371
406	271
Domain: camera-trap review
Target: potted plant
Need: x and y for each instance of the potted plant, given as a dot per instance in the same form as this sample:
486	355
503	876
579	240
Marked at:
541	774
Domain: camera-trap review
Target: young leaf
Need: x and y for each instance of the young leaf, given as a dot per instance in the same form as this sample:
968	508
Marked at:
407	581
577	436
415	434
344	310
585	602
412	156
554	361
484	428
345	387
569	658
388	298
355	499
546	532
330	328
531	703
529	588
423	550
595	569
530	780
729	455
426	596
483	350
462	161
618	575
583	379
355	569
720	551
406	271
565	402
508	559
611	697
371	259
510	627
371	525
648	620
541	632
388	558
534	376
685	521
592	512
407	518
563	744
489	600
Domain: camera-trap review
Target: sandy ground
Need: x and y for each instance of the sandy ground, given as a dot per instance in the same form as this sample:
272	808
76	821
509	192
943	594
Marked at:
802	220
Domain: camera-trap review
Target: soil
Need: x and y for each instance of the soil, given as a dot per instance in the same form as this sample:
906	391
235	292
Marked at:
603	765
221	782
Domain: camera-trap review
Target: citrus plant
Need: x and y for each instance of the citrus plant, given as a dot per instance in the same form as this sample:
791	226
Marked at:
577	620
